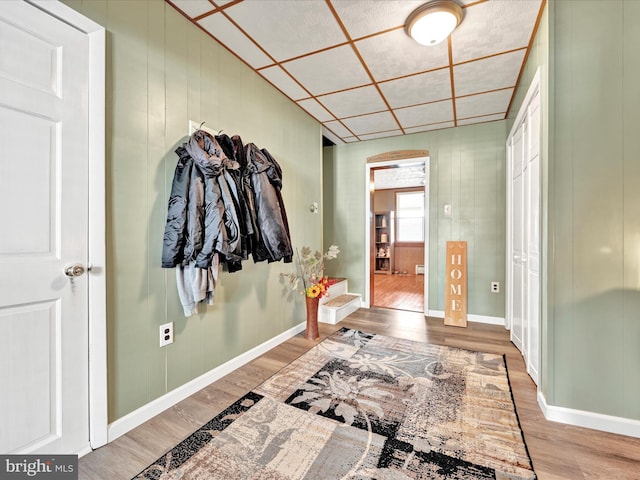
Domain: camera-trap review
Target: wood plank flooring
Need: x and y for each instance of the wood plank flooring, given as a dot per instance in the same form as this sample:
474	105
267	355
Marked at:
558	452
399	291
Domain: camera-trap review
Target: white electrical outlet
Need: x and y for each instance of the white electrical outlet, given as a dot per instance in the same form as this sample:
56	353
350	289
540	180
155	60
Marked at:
495	287
166	334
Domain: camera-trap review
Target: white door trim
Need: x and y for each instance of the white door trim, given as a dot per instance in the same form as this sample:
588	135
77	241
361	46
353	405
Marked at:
367	208
97	251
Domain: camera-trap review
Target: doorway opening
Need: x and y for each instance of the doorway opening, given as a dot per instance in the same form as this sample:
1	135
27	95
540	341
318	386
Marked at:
398	207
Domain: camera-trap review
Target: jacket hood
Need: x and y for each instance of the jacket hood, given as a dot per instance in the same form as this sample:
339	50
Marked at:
208	155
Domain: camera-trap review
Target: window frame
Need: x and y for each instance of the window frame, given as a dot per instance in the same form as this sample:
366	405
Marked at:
411	243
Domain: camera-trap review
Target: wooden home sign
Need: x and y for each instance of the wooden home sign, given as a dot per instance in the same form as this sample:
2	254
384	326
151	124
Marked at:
455	297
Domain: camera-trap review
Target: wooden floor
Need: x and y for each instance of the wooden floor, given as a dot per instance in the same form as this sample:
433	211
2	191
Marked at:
558	452
398	291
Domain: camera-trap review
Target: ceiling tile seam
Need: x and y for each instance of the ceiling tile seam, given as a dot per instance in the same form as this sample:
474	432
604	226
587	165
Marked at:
377	132
311	95
415	74
532	37
493	55
451	79
364	64
483	115
487	91
324	124
349	117
179	10
222	44
252	68
276	63
474	4
378	33
206	14
428	124
251	39
317	97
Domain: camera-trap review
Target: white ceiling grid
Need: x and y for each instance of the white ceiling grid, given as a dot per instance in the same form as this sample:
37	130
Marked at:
350	64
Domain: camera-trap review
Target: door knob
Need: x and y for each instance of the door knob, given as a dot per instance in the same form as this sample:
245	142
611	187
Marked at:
74	270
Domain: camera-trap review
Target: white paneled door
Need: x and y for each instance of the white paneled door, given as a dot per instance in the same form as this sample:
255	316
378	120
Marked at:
523	252
43	246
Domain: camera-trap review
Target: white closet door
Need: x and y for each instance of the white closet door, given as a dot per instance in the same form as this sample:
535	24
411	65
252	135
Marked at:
523	252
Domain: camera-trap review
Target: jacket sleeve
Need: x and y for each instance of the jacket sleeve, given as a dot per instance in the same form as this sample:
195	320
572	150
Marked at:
175	228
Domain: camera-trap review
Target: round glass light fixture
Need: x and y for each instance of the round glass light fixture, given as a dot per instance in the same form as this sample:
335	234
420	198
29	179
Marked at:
432	22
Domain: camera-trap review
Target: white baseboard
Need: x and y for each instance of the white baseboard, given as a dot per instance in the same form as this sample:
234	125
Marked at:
153	408
472	318
596	421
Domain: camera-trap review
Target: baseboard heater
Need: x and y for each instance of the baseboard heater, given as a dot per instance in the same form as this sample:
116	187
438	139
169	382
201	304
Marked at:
419	269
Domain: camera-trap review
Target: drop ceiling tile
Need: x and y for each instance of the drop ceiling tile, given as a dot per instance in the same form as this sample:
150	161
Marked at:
488	74
484	103
426	128
482	119
316	110
357	101
416	89
329	71
331	136
364	17
193	8
224	31
288	29
492	27
394	54
338	129
425	114
278	77
372	123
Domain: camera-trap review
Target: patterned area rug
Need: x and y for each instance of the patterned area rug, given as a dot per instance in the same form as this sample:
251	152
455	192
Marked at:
364	406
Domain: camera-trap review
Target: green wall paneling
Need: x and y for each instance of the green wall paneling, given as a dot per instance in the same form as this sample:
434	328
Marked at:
456	155
162	72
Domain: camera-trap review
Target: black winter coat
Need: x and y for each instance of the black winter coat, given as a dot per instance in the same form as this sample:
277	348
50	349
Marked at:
272	241
202	217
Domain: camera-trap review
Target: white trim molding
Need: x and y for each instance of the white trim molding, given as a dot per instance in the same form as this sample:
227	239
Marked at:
596	421
472	318
168	400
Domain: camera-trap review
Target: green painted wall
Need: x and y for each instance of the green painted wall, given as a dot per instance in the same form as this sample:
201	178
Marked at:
161	72
594	232
467	171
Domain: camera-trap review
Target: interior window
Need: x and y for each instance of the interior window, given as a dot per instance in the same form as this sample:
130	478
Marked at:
410	216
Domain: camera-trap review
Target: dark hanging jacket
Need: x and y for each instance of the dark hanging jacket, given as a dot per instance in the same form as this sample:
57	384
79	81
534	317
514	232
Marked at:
230	149
272	239
201	217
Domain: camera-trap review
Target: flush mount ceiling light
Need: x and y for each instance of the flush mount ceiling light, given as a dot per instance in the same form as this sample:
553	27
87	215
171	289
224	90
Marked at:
431	23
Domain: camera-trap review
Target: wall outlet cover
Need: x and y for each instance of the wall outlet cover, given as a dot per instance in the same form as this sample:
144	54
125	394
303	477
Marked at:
166	334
